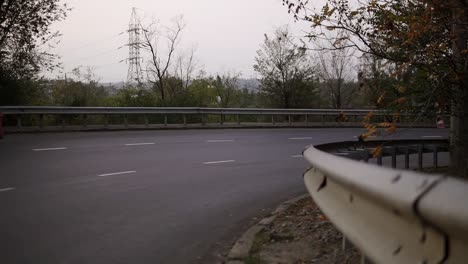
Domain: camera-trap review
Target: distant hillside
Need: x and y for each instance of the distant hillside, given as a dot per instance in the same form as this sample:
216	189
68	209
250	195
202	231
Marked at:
116	85
250	84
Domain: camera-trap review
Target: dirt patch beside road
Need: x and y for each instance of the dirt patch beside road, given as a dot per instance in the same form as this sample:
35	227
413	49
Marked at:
301	235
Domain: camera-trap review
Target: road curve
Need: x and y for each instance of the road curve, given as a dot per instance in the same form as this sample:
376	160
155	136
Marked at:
147	196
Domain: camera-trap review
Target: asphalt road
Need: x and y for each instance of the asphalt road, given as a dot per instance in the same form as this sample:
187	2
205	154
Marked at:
147	196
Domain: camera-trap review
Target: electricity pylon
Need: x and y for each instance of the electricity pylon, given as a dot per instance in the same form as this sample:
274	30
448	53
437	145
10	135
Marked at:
134	58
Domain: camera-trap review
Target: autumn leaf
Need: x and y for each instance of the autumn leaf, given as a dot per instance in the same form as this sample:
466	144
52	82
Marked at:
364	136
377	152
369	115
400	100
391	129
386	124
369	133
381	98
341	117
401	89
323	217
370	127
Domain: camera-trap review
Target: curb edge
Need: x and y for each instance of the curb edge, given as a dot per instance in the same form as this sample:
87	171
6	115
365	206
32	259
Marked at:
241	248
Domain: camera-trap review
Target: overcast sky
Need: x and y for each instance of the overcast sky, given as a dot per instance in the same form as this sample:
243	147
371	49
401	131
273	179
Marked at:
227	33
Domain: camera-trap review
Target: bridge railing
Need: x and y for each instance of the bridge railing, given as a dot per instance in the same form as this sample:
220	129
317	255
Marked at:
62	117
392	216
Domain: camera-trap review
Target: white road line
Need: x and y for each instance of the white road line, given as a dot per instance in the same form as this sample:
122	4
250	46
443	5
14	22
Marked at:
300	138
6	189
220	140
49	149
297	156
139	144
432	136
116	173
218	162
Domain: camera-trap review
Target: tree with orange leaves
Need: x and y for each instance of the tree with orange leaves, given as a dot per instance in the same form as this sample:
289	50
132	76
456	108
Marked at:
416	36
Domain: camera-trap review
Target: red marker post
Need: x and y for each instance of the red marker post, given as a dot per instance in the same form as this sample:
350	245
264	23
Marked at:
1	125
440	122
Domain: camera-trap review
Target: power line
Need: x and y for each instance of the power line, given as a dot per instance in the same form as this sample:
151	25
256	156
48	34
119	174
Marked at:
100	40
95	55
107	64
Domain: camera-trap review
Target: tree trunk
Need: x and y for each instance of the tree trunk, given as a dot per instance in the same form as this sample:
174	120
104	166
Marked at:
459	115
338	96
161	87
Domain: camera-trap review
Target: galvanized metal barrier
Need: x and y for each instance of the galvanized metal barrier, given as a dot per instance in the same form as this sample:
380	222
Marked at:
308	117
392	216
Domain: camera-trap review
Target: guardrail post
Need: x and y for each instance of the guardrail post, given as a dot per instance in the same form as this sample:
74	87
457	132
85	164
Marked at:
185	119
365	155
323	119
62	119
221	119
273	119
41	121
394	157
307	120
363	259
436	158
1	125
420	156
146	120
379	160
343	243
18	121
106	121
85	119
238	119
126	120
165	120
407	158
289	120
203	119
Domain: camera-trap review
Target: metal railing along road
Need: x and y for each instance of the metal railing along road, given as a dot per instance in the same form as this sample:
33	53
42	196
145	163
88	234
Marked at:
186	116
392	216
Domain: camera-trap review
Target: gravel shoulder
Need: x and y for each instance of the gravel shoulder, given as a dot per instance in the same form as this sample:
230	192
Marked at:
301	234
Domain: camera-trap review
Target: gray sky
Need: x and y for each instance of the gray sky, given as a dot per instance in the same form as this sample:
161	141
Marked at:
227	33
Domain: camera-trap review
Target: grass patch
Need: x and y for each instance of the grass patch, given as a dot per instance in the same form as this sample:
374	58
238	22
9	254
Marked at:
260	239
253	260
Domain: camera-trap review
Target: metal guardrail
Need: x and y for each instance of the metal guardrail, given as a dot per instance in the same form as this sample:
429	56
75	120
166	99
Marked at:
308	116
172	110
390	148
392	216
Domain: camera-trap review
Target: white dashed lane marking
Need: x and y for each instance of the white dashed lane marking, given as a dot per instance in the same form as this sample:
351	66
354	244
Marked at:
300	138
6	189
297	156
140	144
49	149
116	173
220	140
432	136
218	162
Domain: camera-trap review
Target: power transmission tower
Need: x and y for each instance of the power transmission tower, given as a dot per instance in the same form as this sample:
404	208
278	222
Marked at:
134	58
